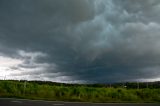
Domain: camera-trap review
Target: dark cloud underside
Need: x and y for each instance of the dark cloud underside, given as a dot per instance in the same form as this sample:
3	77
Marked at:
82	40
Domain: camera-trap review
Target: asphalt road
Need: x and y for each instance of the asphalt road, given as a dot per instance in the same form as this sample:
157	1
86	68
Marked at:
20	102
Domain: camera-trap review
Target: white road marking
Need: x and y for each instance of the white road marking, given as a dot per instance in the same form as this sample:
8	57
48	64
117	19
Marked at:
17	101
58	104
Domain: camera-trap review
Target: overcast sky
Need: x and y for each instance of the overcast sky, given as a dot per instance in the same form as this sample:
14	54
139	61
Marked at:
80	41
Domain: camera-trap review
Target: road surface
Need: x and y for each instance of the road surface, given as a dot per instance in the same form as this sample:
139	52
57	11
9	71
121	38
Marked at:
21	102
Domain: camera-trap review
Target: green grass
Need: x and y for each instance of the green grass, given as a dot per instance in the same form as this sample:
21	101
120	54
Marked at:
77	93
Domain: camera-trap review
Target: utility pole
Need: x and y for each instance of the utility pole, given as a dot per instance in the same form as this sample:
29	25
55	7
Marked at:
110	85
5	77
147	84
137	85
24	87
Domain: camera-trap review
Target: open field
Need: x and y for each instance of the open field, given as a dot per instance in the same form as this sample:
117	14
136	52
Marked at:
81	93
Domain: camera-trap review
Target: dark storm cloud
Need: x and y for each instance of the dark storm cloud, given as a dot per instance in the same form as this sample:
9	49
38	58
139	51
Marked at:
82	40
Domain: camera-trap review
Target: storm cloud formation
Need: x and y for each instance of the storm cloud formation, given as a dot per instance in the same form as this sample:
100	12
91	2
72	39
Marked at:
81	41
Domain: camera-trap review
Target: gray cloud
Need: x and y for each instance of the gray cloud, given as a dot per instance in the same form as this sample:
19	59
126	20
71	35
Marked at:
82	40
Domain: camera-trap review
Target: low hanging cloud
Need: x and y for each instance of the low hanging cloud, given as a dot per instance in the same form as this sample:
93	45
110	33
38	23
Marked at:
81	41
